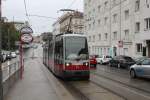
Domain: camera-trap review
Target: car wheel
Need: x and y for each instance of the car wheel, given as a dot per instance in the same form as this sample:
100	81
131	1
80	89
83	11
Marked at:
132	74
101	62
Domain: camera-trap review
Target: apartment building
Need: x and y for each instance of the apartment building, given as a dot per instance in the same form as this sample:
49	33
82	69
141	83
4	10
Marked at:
76	24
118	27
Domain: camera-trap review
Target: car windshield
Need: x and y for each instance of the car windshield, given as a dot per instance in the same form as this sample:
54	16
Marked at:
108	57
128	59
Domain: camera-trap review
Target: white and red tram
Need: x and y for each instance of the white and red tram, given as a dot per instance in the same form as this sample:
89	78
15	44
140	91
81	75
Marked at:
67	56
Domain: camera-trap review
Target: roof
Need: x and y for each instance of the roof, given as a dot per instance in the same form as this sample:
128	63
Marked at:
71	34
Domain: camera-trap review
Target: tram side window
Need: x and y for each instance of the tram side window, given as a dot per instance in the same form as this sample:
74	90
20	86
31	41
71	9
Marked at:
50	50
59	52
56	53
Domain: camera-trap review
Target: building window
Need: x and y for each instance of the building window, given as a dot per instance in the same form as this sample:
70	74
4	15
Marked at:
147	24
106	36
106	4
99	8
99	36
115	35
126	34
126	14
137	27
139	47
89	38
114	18
137	5
99	22
93	38
108	50
114	3
147	3
89	26
85	5
93	23
106	20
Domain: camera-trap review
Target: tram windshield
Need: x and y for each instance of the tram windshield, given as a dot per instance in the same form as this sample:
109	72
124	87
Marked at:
76	48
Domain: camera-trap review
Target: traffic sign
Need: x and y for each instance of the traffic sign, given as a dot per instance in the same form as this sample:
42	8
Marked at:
26	38
26	30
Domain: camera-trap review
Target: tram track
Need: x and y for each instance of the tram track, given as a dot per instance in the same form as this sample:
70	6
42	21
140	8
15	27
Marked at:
124	90
121	81
89	90
74	91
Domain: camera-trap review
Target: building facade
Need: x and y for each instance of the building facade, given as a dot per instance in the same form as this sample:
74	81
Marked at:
118	27
76	24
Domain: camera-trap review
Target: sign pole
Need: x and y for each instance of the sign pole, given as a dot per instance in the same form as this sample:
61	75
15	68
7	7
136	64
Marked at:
25	37
21	59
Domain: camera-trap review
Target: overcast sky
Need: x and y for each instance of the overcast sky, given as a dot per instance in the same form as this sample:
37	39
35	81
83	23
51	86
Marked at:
15	9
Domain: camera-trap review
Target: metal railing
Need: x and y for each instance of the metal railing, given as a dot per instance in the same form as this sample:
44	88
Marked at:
9	70
10	74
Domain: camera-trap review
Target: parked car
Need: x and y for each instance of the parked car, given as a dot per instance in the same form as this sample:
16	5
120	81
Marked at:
141	69
17	52
122	61
93	61
8	56
139	59
3	57
13	55
103	59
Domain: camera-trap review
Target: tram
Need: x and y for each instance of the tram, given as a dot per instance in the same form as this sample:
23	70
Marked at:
66	55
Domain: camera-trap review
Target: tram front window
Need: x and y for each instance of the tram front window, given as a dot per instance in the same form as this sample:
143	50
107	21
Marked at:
76	48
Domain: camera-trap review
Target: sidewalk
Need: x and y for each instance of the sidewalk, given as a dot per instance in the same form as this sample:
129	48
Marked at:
33	86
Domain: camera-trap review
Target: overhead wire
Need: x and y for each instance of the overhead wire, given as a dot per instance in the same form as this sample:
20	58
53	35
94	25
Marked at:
26	11
41	16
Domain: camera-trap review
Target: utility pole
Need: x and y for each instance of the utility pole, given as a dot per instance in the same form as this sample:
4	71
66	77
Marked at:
1	80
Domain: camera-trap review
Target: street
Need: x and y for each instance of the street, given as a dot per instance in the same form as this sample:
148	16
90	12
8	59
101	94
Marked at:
118	81
106	83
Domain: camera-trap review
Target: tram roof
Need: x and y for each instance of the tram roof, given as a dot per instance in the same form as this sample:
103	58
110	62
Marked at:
71	34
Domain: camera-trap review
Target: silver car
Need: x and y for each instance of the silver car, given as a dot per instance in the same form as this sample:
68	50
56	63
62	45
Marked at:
141	69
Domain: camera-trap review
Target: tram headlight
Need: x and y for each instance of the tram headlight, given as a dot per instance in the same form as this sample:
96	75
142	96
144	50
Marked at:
86	63
68	64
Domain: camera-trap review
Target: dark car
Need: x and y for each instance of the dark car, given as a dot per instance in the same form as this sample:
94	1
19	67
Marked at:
122	61
93	61
8	56
3	57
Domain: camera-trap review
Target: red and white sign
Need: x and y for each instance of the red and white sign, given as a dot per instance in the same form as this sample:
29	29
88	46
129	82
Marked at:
26	38
26	30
